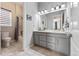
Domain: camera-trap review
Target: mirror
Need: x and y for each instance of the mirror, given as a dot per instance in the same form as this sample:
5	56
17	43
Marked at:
52	21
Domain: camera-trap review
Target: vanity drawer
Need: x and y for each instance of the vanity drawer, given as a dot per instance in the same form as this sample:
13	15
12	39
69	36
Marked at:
51	40
36	33
40	33
57	35
51	46
42	38
42	43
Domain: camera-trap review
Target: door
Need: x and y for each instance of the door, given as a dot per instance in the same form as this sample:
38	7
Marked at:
63	45
36	38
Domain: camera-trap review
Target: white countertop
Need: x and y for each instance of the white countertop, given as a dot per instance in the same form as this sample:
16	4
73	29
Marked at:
51	31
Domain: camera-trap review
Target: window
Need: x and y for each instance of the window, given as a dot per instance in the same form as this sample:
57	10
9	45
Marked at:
5	17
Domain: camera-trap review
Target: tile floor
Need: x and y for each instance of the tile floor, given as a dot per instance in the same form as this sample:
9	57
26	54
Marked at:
33	51
46	52
16	50
13	48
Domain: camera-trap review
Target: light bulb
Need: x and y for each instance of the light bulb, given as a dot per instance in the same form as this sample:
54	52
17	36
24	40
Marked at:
57	7
63	6
52	9
39	12
45	11
42	12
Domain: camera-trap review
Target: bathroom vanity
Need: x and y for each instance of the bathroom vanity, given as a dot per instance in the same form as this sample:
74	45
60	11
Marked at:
56	41
53	31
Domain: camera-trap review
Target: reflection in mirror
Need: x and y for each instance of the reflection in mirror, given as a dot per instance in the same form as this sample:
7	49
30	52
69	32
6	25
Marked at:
52	21
57	23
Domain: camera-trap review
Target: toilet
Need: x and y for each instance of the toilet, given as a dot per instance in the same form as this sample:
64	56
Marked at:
6	39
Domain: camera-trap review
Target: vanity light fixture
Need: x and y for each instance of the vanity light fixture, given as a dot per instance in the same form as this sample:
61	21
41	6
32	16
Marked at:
63	6
74	4
42	12
52	9
57	7
39	12
45	11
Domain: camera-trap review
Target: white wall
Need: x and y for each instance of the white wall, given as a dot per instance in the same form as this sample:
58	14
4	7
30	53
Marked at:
75	31
30	8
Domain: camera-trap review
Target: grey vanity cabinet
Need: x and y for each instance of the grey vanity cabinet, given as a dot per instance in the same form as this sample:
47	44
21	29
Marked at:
51	46
63	45
36	38
43	44
42	40
53	41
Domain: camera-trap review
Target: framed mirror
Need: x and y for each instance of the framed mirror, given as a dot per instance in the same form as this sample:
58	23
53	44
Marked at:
53	21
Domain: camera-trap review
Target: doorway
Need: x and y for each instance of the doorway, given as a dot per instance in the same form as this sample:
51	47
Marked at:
11	28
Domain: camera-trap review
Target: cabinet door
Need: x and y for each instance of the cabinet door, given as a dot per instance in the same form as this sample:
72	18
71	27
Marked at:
63	46
36	39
